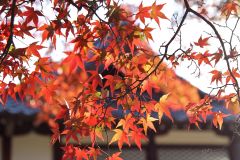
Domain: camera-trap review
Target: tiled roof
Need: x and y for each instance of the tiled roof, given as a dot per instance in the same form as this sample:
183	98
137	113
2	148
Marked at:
17	107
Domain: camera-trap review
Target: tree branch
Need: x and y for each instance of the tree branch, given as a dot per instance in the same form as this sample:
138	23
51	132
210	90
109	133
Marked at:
221	42
10	38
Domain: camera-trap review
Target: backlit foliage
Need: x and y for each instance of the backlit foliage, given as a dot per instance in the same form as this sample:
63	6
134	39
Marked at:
109	78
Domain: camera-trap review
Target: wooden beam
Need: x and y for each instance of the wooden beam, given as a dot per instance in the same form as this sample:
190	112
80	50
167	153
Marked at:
151	149
6	147
234	147
57	151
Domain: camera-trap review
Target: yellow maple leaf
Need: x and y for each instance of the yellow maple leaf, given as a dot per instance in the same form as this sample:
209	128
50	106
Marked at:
162	108
147	123
233	105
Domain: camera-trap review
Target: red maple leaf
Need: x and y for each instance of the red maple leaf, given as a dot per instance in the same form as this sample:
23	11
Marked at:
31	15
33	49
217	76
202	42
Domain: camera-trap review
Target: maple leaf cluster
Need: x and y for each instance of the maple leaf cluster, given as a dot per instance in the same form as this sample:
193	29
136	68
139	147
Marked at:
109	76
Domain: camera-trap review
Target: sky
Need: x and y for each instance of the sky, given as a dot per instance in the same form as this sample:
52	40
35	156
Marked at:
191	32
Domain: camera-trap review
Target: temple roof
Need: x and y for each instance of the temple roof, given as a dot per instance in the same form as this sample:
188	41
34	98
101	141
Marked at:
17	107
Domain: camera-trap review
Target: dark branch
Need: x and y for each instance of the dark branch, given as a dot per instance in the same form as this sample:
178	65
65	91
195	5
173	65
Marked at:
10	38
221	42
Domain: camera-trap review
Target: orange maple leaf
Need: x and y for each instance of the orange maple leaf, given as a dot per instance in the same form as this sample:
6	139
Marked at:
143	13
229	7
156	12
218	119
120	136
81	154
137	136
115	156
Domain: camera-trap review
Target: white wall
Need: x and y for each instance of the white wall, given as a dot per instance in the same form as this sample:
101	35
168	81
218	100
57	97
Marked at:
31	147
